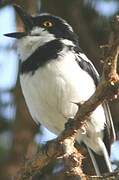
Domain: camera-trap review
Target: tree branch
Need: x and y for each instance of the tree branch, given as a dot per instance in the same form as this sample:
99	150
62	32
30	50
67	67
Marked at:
63	146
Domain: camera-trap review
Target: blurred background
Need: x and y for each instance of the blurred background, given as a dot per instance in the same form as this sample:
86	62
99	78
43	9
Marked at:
19	135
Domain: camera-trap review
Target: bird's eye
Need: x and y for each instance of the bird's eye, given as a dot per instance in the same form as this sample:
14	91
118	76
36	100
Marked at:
47	24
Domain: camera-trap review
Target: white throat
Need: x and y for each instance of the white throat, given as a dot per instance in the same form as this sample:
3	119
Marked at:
28	44
38	37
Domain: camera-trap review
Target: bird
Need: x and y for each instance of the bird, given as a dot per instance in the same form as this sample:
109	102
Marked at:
56	76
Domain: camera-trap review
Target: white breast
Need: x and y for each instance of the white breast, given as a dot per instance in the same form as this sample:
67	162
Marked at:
51	94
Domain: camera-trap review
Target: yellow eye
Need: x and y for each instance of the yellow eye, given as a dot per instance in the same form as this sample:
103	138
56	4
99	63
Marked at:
47	24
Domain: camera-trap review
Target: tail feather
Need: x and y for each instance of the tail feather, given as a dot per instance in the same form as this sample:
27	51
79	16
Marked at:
102	166
105	155
101	162
93	159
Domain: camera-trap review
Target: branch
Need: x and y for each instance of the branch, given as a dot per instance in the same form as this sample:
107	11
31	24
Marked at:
63	146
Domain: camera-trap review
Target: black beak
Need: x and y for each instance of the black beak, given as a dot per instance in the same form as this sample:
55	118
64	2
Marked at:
27	21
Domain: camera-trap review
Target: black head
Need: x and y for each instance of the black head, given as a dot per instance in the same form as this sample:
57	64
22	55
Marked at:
47	22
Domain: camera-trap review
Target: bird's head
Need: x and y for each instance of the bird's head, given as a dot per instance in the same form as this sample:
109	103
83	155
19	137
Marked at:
41	29
43	24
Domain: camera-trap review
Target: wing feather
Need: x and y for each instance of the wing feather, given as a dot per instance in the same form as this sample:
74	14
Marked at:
86	65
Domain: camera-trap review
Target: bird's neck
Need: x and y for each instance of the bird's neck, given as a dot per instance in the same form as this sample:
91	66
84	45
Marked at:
52	50
28	45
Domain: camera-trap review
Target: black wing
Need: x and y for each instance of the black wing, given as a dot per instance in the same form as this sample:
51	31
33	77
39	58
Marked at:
109	133
86	65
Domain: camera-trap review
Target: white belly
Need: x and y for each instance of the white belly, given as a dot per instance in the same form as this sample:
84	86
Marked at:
51	94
